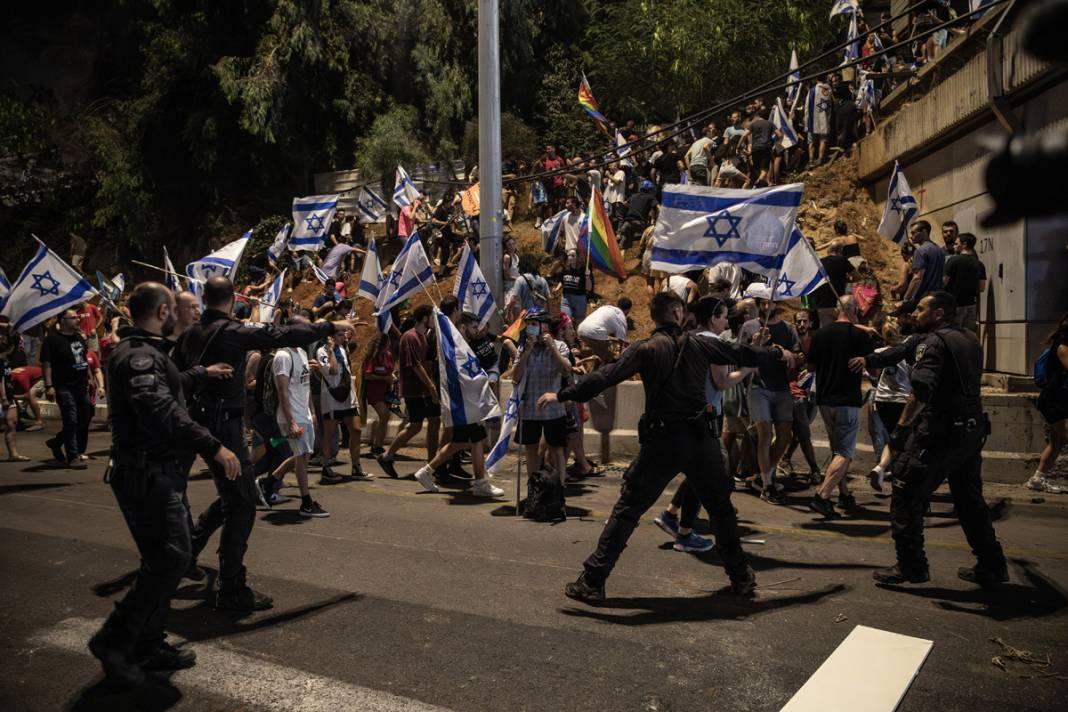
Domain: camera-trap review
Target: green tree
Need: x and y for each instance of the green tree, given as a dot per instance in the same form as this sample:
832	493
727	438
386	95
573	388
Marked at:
392	141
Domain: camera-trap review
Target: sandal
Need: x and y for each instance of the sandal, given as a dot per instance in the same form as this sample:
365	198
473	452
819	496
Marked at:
18	458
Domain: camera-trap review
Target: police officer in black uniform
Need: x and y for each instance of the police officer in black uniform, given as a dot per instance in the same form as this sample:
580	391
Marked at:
675	436
150	430
220	406
940	437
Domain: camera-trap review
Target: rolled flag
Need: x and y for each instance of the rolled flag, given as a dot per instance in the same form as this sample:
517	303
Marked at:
172	280
411	277
281	239
793	89
511	418
782	123
471	289
852	50
845	7
404	190
699	226
466	395
801	273
900	207
312	216
46	287
550	231
221	263
600	241
319	274
370	206
5	287
810	112
333	259
269	300
371	276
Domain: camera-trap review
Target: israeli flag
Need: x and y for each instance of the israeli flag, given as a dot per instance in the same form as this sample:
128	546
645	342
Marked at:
782	123
801	273
5	287
221	263
173	282
810	112
311	221
370	206
845	7
793	90
471	289
852	50
466	396
110	288
622	150
900	208
408	276
404	192
281	239
269	300
550	231
388	283
511	419
333	259
46	287
319	274
699	226
371	276
867	97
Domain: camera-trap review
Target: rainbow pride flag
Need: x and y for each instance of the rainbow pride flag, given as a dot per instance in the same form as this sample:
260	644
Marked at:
605	254
589	104
515	331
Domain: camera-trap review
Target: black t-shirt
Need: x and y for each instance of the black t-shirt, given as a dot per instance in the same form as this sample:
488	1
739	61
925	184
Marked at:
832	347
761	133
5	376
667	167
964	273
67	356
837	268
572	281
444	214
485	349
640	207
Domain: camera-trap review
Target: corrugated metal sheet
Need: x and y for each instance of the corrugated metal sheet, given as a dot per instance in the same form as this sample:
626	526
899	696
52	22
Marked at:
1019	67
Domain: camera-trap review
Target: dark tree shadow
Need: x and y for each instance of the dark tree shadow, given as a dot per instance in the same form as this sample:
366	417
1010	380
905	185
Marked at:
32	486
716	606
1004	602
156	695
284	517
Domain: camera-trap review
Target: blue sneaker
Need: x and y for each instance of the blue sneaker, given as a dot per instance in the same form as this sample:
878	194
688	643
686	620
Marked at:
669	523
692	543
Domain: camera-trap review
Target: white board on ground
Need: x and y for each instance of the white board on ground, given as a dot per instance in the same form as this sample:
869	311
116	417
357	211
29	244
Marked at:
869	671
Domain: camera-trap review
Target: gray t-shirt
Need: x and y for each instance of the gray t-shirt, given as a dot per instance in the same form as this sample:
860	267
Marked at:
932	260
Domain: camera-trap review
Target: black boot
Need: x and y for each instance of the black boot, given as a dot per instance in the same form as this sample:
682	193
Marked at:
116	659
983	576
165	656
744	584
243	599
895	574
581	590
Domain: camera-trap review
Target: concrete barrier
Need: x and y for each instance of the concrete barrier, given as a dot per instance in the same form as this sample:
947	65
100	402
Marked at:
1011	453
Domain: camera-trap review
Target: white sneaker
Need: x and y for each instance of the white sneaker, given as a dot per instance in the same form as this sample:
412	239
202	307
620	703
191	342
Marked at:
484	488
1040	483
537	223
425	477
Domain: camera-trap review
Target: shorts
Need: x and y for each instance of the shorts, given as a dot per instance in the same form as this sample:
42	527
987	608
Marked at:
339	414
267	428
555	432
699	174
761	159
727	169
305	444
843	424
770	406
422	408
473	433
558	193
573	422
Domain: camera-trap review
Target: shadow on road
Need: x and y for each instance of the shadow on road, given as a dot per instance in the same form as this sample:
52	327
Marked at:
1005	602
156	695
30	487
716	606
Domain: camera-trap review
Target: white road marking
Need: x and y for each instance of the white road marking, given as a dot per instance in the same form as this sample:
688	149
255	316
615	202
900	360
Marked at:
250	681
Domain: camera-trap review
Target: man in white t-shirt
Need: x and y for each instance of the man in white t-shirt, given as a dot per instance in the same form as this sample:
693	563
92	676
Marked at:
615	191
337	403
292	378
573	224
602	325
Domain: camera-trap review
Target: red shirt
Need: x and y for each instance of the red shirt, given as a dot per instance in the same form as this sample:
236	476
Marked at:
413	352
89	316
381	364
553	164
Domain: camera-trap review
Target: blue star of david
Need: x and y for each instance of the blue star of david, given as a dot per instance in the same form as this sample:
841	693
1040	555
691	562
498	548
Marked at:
478	288
732	227
823	105
789	284
895	204
314	223
394	278
39	280
471	366
511	411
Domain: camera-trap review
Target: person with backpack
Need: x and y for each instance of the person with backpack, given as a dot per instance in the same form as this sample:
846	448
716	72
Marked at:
277	459
338	405
1051	375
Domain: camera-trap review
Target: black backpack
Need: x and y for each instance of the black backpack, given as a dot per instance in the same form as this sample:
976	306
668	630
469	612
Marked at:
545	497
266	387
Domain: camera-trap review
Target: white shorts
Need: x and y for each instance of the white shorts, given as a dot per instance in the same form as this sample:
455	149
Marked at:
305	444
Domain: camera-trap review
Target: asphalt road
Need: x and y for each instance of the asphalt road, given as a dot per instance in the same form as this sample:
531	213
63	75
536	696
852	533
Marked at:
408	601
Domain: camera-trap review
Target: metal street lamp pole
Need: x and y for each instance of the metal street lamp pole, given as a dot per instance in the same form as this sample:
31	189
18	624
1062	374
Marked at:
491	218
